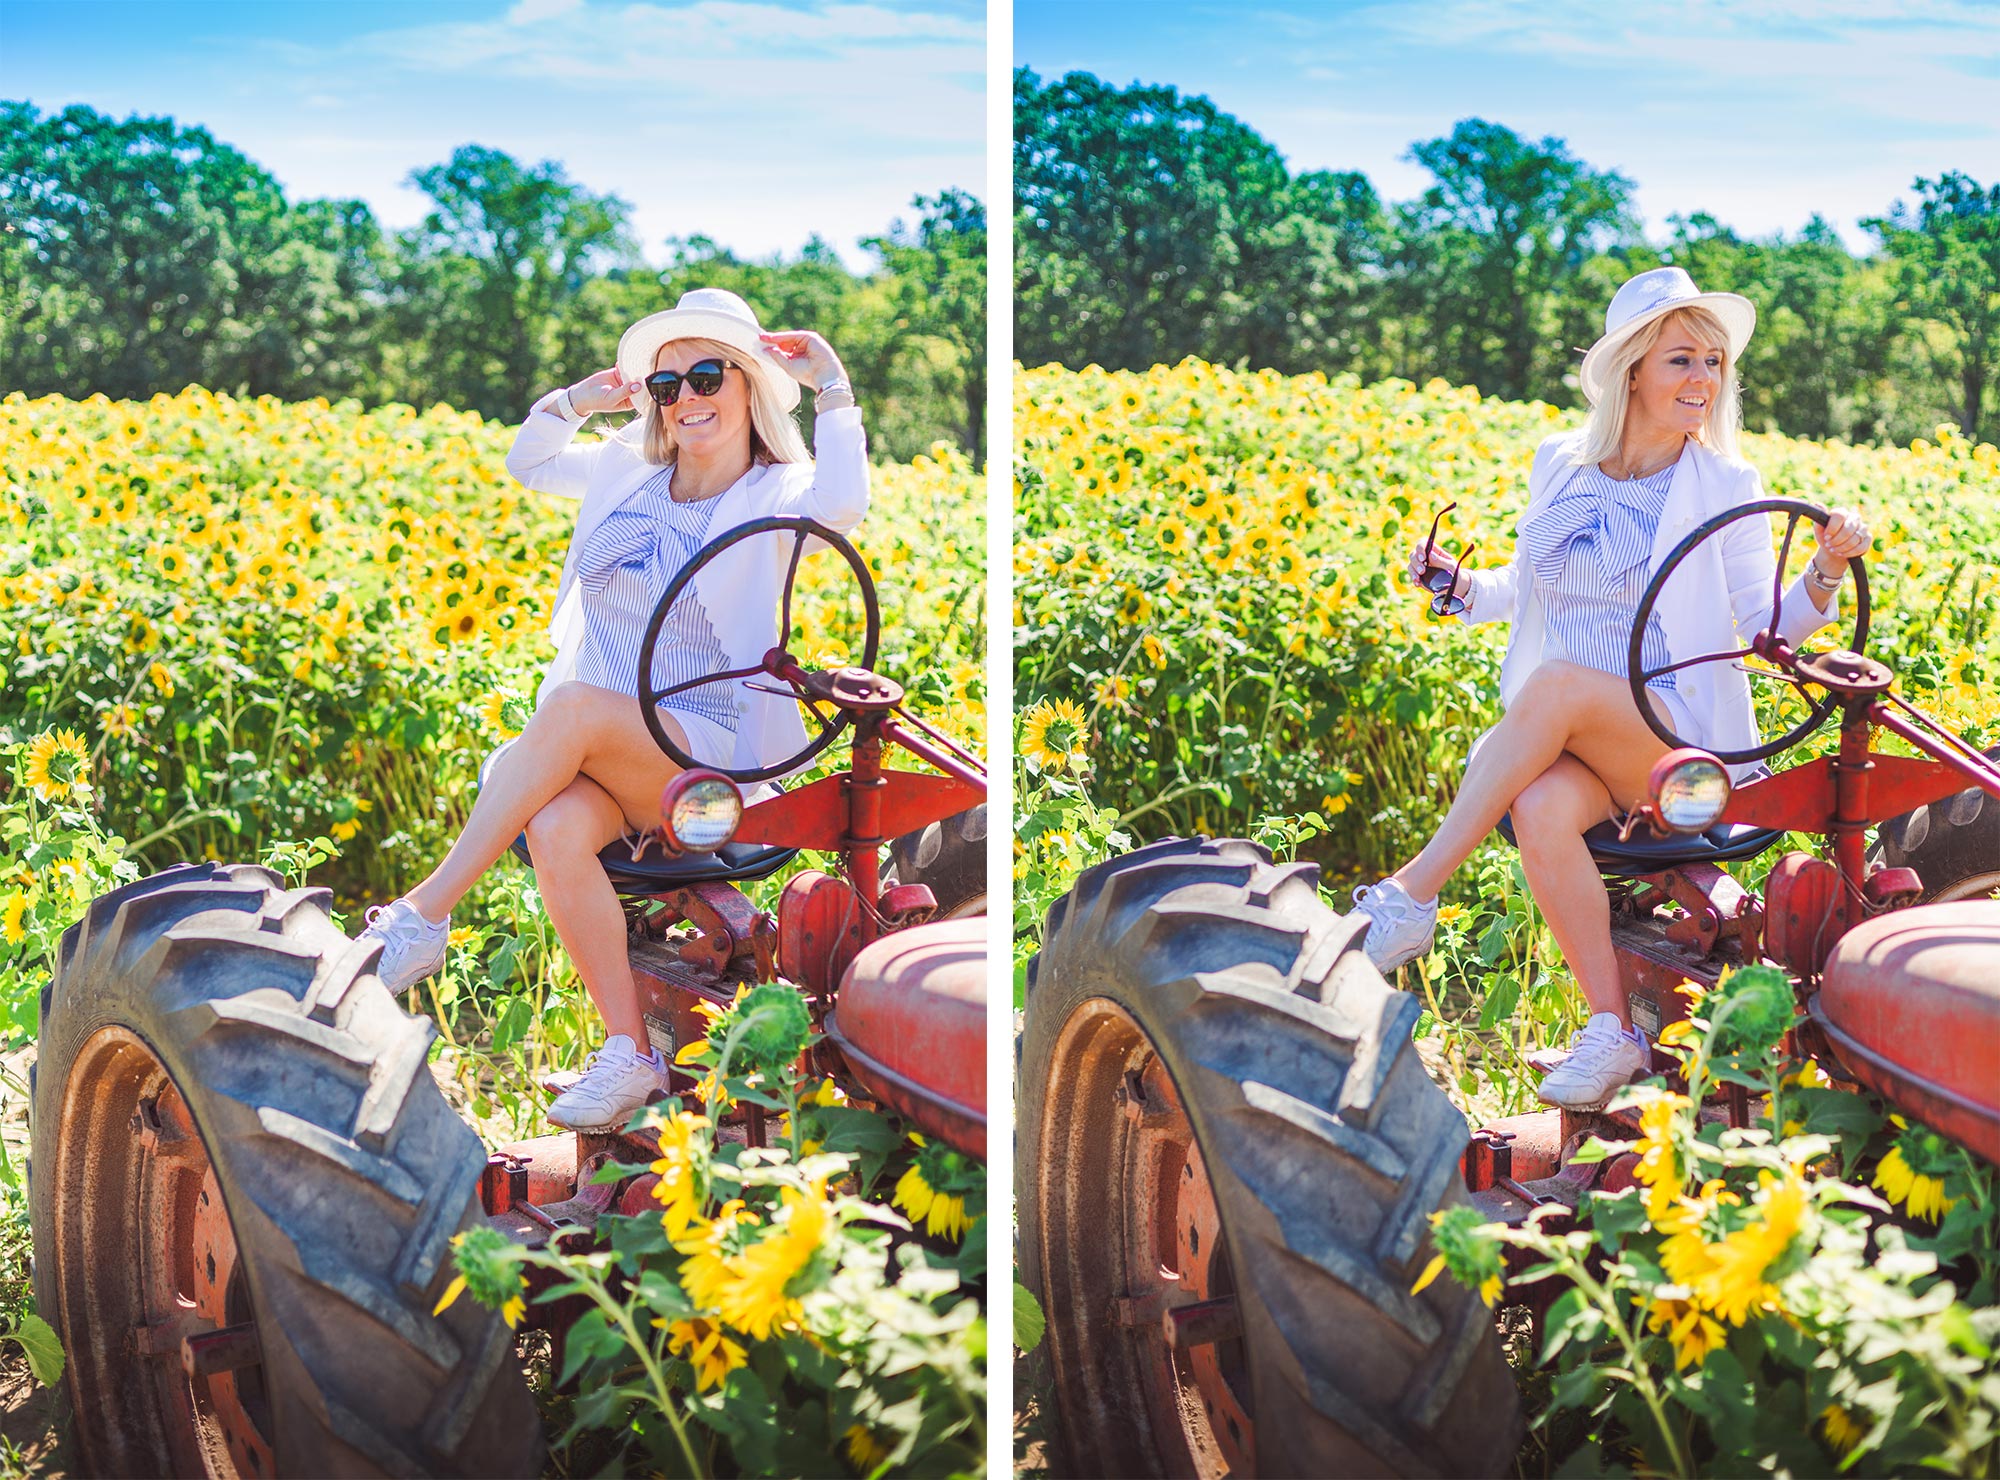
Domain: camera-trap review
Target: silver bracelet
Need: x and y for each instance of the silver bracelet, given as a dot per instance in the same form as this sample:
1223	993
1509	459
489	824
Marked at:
835	389
1820	579
566	408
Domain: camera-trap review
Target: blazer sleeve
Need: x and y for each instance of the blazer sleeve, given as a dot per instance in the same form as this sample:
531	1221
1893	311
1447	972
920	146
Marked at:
837	496
543	457
1749	566
1495	587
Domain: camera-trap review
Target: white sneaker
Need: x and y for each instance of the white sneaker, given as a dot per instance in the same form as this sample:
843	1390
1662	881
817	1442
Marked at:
1399	928
1604	1059
616	1082
412	947
1552	1057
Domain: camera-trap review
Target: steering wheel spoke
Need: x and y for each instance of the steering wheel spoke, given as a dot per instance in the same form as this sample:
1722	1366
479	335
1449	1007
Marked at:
801	530
1817	710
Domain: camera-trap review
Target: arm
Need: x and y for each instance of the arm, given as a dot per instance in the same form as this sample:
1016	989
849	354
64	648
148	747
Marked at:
838	494
542	457
1749	567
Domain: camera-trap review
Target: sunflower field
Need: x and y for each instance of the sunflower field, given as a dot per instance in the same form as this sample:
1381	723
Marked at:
251	630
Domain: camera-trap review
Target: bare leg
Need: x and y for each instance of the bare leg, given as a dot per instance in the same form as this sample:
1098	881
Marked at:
1550	818
1563	707
564	838
580	730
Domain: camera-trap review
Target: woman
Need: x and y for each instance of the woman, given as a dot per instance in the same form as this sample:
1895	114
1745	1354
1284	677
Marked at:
1656	457
713	448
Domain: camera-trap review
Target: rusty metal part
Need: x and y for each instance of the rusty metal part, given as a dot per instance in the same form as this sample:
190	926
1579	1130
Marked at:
1845	672
814	816
539	1171
724	921
1804	912
906	904
1892	888
819	930
1801	799
1164	1253
853	688
671	994
1910	1003
912	1026
140	1216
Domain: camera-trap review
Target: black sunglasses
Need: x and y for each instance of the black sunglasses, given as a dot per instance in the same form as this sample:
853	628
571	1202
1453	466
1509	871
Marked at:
1439	581
703	377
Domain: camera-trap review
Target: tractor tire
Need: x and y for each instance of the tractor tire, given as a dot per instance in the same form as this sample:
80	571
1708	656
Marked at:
244	1189
949	856
1954	845
1227	1156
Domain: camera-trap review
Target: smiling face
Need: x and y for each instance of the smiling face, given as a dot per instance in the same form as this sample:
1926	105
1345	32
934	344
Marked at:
1676	383
704	427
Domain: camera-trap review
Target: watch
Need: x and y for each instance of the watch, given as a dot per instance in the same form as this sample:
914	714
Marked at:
566	408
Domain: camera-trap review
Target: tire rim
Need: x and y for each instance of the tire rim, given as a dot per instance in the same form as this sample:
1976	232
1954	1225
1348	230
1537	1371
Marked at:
1979	886
1126	1205
155	1306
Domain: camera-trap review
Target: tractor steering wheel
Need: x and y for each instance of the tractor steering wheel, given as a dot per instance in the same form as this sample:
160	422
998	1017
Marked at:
1638	674
800	530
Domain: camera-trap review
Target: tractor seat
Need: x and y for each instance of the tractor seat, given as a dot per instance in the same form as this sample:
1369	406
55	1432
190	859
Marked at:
1642	853
653	872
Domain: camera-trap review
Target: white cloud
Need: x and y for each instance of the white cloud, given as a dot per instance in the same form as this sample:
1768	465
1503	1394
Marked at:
533	12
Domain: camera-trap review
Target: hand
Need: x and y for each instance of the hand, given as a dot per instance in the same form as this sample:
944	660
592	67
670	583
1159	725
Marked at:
1845	538
805	356
607	390
1461	576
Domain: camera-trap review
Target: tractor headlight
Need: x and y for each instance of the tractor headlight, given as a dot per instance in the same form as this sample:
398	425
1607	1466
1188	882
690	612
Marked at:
700	811
1690	789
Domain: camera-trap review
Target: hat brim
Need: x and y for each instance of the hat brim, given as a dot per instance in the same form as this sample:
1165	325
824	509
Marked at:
1737	313
639	347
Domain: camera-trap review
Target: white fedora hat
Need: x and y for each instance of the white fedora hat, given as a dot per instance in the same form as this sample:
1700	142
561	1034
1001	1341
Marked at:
1653	295
704	313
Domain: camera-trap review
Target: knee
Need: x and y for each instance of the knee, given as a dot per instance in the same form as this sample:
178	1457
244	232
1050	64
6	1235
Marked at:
1557	682
566	706
1546	809
566	825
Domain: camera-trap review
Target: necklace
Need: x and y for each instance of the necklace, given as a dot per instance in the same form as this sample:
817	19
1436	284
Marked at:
1635	476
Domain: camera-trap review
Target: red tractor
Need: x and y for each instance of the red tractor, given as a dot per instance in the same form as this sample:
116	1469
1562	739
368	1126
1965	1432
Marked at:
246	1181
1229	1150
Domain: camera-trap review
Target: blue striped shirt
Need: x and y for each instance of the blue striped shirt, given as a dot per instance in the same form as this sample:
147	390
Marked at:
622	574
1588	549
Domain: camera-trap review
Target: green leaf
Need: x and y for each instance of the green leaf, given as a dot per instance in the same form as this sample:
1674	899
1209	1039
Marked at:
1029	1322
1501	999
45	1354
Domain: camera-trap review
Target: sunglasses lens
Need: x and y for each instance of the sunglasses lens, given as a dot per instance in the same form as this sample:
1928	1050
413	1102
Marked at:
665	386
705	378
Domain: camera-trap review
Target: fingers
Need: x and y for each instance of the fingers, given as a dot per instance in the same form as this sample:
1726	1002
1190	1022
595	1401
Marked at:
1846	535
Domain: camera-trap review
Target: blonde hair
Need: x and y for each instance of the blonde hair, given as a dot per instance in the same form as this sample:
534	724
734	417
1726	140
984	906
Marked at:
1604	429
774	435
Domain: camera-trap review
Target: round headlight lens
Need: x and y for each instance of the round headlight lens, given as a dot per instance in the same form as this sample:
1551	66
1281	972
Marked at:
1690	792
703	816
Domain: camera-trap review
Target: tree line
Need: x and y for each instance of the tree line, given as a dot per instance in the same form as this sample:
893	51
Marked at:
139	255
1151	226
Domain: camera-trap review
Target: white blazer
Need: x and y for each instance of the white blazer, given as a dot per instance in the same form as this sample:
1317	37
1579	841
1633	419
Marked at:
1737	563
740	588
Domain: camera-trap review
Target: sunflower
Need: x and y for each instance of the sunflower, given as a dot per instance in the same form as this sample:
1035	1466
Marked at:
759	1293
1913	1172
1840	1428
1053	736
1660	1166
864	1451
922	1194
14	917
1693	1332
1733	1278
58	765
161	679
683	1171
706	1346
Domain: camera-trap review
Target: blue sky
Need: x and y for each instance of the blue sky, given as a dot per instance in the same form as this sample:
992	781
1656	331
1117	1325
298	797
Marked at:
756	122
1760	112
